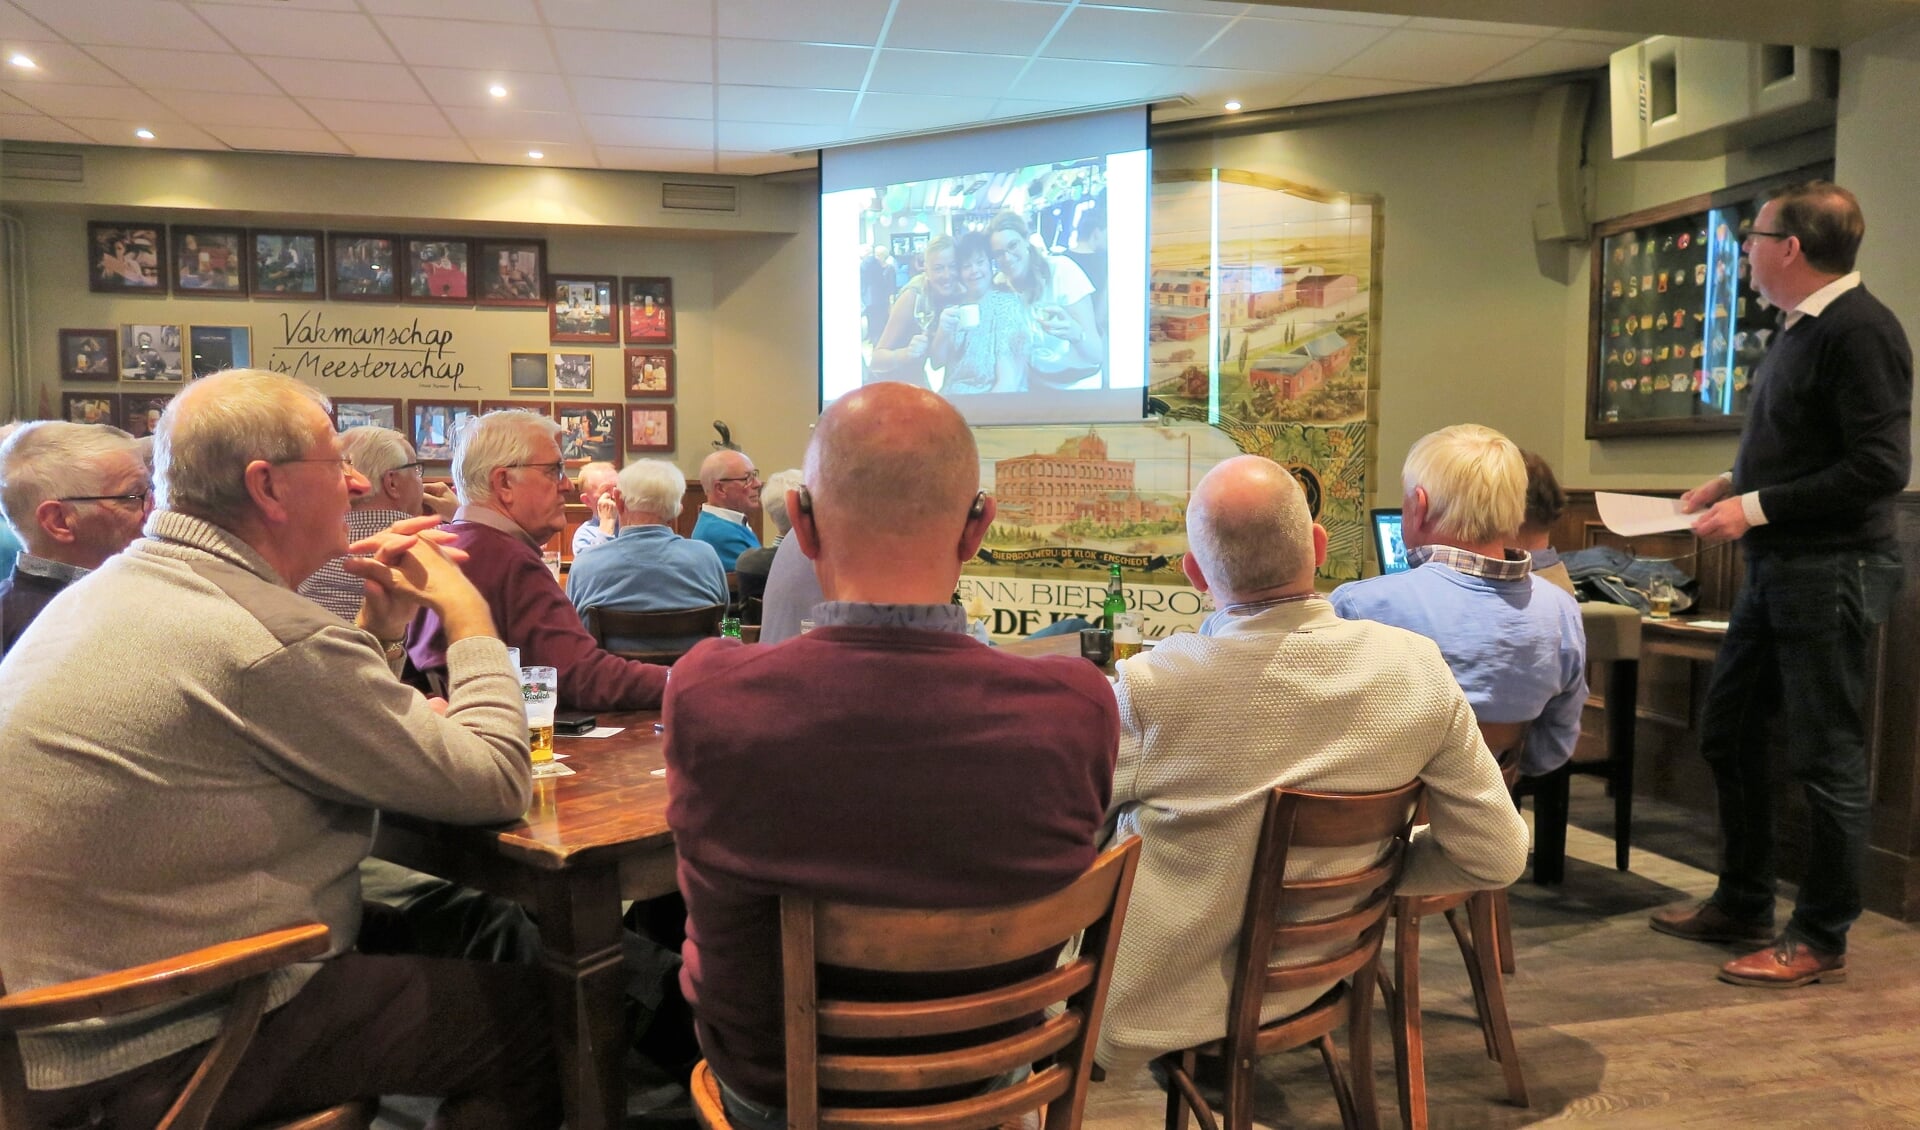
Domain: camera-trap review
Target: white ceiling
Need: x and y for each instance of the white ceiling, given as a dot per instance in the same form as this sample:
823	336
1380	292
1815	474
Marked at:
728	86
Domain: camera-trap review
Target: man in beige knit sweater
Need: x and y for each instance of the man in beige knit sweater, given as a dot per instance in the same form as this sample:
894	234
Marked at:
1317	703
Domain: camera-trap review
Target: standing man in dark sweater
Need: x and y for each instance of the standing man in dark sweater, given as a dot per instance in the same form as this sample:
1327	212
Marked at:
1823	454
884	758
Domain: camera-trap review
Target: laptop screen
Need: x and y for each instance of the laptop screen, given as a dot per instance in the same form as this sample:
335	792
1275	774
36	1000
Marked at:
1387	545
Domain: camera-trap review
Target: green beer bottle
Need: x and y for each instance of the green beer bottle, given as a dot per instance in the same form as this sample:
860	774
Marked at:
1116	603
730	628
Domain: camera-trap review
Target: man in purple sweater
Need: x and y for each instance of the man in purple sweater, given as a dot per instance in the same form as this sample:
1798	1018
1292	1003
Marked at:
884	758
512	485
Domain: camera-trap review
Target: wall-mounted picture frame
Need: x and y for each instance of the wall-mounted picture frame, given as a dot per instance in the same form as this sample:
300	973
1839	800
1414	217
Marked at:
140	411
510	272
368	411
537	407
212	349
650	373
126	256
439	269
209	262
432	424
360	267
90	408
584	309
88	355
528	372
589	433
649	428
286	264
150	353
648	310
573	372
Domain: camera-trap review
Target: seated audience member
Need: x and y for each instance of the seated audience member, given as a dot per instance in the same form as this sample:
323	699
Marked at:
732	489
597	490
901	797
1343	707
78	494
753	565
1545	501
396	493
1513	641
648	567
232	788
512	484
791	593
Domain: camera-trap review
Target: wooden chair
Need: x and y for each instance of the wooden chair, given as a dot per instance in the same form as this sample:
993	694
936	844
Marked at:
611	623
1272	936
900	941
241	967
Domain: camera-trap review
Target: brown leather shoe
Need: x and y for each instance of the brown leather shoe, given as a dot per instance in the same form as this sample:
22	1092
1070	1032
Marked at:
1705	922
1786	964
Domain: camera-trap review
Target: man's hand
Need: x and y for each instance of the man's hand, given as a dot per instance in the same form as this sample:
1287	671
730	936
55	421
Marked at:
608	509
440	500
1725	522
409	565
1706	494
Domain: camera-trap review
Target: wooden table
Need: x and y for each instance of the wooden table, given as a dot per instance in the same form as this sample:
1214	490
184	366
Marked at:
588	841
1681	637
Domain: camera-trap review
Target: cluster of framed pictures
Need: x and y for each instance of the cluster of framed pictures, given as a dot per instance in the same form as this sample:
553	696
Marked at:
648	373
153	352
589	431
604	310
137	412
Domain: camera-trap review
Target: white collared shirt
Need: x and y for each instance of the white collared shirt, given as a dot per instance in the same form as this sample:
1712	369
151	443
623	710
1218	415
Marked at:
722	512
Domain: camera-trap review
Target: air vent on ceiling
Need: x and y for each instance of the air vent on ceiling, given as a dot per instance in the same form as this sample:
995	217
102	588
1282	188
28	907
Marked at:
29	165
678	196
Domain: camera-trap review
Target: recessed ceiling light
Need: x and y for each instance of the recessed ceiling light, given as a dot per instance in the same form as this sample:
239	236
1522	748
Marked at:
497	90
535	154
1233	107
23	62
143	134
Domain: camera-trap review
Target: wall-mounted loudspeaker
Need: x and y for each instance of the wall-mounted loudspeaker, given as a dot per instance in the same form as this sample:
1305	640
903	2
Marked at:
1559	147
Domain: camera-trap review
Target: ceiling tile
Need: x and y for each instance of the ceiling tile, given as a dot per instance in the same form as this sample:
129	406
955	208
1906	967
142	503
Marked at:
159	24
650	133
186	70
558	156
56	63
650	99
944	72
288	140
891	112
1324	16
1092	82
16	24
677	17
1593	35
300	34
490	11
315	78
283	5
212	109
1131	35
450	86
656	160
856	22
344	117
1547	57
397	148
787	104
1479	27
765	62
1334	88
766	137
642	55
171	135
1430	56
1011	27
92	102
1204	7
755	164
516	125
1288	46
11	105
464	43
38	127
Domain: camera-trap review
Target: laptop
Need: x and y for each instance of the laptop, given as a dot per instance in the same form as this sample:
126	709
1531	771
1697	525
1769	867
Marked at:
1388	548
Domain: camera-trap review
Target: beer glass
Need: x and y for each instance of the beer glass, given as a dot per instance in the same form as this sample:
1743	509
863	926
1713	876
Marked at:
539	688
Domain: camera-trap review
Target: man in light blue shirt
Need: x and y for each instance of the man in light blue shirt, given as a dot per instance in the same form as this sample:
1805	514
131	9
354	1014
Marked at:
647	567
599	489
732	487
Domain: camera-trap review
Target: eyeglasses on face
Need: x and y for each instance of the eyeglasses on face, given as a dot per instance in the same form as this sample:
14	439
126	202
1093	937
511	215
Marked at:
749	477
556	470
416	465
138	498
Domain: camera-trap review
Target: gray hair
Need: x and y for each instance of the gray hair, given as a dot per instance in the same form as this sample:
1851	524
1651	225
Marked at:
45	459
773	497
1249	527
1475	479
500	438
653	486
210	432
375	451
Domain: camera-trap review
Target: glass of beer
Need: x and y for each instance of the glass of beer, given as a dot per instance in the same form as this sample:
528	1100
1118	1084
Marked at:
1660	596
1126	638
539	688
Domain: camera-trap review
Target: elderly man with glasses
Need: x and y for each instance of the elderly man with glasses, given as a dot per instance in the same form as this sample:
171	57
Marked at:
732	487
396	492
513	488
76	494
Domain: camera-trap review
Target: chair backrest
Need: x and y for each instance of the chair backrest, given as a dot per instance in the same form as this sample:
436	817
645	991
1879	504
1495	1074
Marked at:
880	940
613	624
1282	951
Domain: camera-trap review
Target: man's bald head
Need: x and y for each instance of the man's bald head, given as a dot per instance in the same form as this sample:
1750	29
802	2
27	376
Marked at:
1249	530
891	459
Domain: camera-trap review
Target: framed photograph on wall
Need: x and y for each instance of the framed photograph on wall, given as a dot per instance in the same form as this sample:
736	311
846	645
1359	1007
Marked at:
213	348
537	407
365	411
650	373
87	355
649	429
126	257
527	372
510	272
433	424
286	264
90	408
648	306
589	432
437	270
573	372
150	353
360	267
584	309
209	261
140	411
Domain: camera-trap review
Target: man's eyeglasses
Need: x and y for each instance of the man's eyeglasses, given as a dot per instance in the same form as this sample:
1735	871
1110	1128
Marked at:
557	470
749	477
416	465
138	498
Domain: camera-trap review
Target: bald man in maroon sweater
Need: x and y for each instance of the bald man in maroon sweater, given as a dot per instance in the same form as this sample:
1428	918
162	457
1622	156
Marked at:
885	757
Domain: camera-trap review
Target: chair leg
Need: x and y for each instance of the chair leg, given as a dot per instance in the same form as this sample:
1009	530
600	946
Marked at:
1183	1094
1500	1030
1349	1118
1623	688
1360	1047
1503	918
1550	802
1468	943
1409	1052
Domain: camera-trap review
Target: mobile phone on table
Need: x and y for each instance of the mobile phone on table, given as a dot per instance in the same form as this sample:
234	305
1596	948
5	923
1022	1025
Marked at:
573	723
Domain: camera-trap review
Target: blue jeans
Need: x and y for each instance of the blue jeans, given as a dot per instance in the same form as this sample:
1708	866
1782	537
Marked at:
1797	650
